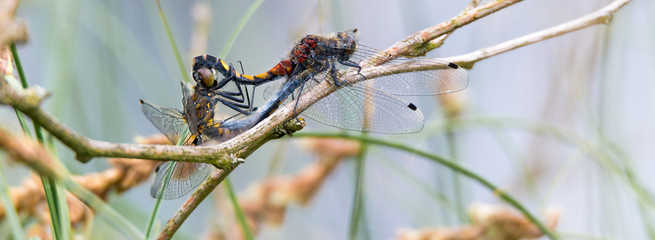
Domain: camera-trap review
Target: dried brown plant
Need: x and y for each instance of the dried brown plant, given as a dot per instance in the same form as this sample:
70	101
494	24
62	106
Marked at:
488	222
29	198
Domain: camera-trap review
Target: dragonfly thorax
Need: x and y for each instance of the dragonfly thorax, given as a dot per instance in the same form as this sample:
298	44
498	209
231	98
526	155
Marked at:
318	53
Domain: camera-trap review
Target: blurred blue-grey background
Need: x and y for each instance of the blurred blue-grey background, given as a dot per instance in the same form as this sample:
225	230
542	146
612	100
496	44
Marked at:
596	85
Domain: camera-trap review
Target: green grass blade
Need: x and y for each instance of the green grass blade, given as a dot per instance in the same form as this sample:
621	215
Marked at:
171	40
155	208
19	115
19	66
432	192
358	195
444	162
238	212
457	185
23	125
49	186
167	177
52	194
64	216
10	209
242	23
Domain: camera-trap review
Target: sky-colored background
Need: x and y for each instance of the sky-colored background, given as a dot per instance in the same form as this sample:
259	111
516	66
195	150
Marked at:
100	57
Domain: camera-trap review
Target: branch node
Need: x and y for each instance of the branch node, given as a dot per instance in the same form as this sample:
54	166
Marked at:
288	128
83	158
608	18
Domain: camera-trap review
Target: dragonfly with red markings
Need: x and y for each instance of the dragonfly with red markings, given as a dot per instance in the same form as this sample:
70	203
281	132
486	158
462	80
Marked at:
365	104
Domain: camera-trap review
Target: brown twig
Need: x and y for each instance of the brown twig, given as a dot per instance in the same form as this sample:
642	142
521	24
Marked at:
28	151
217	177
437	42
13	30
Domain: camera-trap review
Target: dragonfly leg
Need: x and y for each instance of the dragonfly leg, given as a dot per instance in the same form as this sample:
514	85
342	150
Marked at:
295	106
352	64
241	108
333	74
229	75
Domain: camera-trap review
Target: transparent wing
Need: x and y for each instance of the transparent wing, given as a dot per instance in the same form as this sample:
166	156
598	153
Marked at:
187	91
169	121
439	77
186	176
359	107
272	88
362	108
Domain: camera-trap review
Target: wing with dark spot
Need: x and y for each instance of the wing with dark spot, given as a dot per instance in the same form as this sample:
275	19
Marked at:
185	177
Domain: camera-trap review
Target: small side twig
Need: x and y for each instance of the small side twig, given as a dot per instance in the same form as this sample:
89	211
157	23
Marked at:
218	176
419	43
602	16
437	42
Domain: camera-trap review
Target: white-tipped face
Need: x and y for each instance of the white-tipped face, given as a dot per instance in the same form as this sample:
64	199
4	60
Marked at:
354	34
348	40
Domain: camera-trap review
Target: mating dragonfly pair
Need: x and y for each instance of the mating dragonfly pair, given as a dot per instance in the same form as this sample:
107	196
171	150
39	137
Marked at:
366	102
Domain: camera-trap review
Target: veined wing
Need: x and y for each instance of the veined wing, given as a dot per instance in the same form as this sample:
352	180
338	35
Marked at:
437	76
169	121
358	107
185	177
363	108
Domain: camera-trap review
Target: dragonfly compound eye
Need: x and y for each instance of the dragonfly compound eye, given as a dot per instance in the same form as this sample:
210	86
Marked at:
207	76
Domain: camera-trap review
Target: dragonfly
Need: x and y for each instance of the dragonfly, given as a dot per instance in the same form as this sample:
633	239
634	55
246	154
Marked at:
370	104
195	125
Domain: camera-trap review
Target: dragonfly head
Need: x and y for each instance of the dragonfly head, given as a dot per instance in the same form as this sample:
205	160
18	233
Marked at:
203	70
207	76
348	40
